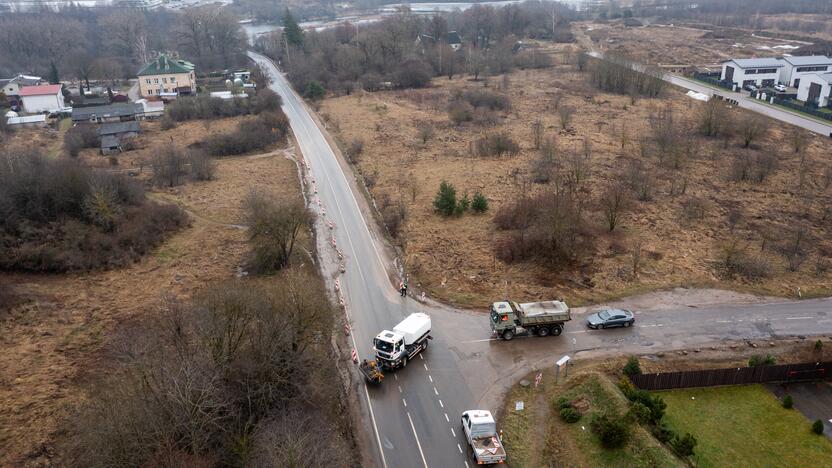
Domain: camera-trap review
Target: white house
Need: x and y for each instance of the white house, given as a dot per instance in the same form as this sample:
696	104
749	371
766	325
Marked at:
43	98
756	71
795	68
816	89
11	86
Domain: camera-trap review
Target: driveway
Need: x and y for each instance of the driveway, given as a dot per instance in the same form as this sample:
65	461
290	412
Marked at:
813	399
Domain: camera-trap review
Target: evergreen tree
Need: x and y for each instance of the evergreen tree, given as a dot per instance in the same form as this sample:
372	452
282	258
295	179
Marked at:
53	74
445	201
292	30
315	91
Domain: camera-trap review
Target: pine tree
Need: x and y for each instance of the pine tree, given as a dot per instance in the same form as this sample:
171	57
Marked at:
53	74
293	32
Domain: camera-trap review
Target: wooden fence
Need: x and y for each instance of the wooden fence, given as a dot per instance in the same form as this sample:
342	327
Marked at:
734	376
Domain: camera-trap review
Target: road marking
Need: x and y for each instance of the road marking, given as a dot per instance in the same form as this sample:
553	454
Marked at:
396	377
375	427
459	448
405	402
798	318
723	321
440	404
573	332
481	341
466	464
417	439
435	391
421	357
400	388
430	378
446	417
426	366
453	433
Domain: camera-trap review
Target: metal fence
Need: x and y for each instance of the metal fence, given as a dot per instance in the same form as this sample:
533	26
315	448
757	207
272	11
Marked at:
733	376
802	108
713	78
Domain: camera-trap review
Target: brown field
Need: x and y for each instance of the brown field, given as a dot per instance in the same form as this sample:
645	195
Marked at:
58	338
661	44
453	259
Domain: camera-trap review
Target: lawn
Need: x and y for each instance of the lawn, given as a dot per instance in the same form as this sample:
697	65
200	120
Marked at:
744	426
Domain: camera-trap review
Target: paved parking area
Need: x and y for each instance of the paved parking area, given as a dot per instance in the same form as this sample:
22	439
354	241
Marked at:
813	399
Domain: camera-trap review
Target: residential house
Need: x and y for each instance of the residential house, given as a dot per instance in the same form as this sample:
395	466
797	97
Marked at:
112	135
754	71
42	98
816	89
117	112
796	67
11	86
451	38
152	109
167	76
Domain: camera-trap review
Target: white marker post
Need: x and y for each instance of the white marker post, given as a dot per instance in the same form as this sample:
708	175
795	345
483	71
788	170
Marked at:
562	362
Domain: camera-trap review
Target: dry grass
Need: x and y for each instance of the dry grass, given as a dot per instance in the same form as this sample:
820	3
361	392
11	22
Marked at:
60	334
453	258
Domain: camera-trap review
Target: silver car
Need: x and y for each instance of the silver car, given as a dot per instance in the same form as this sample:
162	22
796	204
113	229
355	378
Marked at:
608	318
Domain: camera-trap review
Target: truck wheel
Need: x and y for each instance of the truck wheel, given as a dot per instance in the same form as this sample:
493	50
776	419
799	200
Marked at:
425	345
556	330
508	335
404	362
542	331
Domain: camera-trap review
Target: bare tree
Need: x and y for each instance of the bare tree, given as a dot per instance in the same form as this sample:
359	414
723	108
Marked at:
797	140
635	255
614	202
274	226
425	131
713	118
168	166
751	127
565	115
537	133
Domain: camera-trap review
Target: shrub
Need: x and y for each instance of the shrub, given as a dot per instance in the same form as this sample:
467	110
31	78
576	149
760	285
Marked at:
486	99
202	165
479	203
818	345
654	403
662	433
562	403
532	59
250	135
267	101
314	91
205	107
462	205
570	415
684	445
496	144
788	402
166	123
626	386
79	137
817	427
412	74
168	166
737	261
632	367
459	112
354	150
445	201
613	432
758	360
274	225
641	413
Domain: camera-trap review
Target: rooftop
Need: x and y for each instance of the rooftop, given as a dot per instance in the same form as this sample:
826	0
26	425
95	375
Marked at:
808	60
164	65
115	128
26	119
112	110
827	77
758	63
41	90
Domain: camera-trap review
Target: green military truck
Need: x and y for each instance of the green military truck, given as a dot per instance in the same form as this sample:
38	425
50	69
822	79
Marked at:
509	319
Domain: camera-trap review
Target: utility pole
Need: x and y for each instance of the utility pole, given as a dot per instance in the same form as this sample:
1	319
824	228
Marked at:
286	47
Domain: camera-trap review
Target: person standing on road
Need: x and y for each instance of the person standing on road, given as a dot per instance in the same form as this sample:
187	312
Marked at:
403	287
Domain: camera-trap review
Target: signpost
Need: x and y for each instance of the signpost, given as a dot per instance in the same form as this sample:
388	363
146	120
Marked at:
562	362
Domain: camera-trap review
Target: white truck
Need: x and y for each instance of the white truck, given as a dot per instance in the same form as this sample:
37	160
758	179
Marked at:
481	432
408	338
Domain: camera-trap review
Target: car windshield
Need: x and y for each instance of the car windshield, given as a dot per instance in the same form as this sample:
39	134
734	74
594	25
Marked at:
494	315
604	314
384	345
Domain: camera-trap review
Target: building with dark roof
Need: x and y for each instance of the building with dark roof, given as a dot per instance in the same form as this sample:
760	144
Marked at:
118	112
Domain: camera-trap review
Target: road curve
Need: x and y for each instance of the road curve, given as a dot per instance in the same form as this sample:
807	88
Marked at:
413	415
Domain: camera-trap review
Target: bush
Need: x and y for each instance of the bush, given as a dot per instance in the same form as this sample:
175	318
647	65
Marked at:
496	144
354	150
79	137
570	415
613	432
202	165
486	99
662	433
737	261
626	386
167	123
757	360
314	91
205	107
684	445
274	225
254	134
445	201
412	74
563	402
632	367
532	59
459	112
654	403
640	413
462	205
817	427
479	203
788	402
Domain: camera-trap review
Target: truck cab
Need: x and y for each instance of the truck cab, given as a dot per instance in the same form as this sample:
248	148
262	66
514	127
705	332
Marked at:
481	433
389	345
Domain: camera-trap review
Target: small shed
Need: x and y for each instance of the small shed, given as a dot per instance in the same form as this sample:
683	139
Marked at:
38	120
110	144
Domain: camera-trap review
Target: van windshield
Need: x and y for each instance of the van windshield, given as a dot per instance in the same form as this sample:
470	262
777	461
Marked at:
383	345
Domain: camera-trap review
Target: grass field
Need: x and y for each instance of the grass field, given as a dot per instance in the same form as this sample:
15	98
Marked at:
744	426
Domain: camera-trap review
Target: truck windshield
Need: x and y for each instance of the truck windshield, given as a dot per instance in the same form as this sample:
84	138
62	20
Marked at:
494	315
383	345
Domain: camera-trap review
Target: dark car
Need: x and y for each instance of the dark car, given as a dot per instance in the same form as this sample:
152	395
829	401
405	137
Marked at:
608	318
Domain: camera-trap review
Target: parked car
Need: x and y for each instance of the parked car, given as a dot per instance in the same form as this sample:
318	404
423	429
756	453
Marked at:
750	87
608	318
779	87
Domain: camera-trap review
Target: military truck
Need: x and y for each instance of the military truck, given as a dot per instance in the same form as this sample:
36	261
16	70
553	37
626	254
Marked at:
510	319
480	431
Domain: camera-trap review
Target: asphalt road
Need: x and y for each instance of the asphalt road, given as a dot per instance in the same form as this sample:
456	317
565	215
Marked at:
413	416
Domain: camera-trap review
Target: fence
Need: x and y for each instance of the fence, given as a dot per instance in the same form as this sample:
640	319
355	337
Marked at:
713	78
800	107
733	376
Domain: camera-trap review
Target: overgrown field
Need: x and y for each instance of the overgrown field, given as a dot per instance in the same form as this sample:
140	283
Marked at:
589	194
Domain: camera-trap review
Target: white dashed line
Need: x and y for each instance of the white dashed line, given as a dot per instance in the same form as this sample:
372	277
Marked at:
396	377
435	391
441	404
400	388
466	464
573	332
453	433
798	318
426	366
458	447
405	402
723	321
418	444
430	378
446	417
421	357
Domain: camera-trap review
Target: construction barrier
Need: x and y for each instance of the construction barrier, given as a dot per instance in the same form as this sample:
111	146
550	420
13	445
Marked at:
354	355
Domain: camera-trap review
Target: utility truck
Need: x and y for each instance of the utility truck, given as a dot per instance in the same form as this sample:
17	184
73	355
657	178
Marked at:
509	319
408	338
481	432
